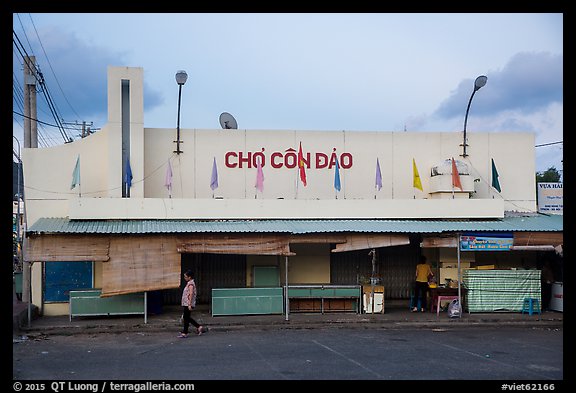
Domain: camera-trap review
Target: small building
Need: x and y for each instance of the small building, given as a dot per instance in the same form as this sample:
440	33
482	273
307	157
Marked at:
122	211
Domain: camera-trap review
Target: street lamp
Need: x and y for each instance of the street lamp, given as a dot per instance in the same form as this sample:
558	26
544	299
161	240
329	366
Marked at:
181	77
478	83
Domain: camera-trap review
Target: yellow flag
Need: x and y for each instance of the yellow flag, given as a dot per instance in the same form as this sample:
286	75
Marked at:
417	182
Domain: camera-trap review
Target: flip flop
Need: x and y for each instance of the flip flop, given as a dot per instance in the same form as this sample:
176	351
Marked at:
182	335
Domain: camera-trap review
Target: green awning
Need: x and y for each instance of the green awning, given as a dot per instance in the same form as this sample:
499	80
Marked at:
535	223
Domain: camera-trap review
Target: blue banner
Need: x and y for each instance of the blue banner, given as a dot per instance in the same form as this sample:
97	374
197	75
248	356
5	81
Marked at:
486	241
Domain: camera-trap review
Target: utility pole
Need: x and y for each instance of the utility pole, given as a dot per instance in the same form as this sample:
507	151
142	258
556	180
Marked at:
30	110
85	129
31	141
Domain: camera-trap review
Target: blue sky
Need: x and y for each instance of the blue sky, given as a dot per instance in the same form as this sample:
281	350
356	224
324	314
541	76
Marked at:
407	72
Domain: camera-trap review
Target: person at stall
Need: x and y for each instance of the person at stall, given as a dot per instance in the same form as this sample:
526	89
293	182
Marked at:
423	275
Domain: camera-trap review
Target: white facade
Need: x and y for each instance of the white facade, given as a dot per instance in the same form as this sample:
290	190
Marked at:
48	172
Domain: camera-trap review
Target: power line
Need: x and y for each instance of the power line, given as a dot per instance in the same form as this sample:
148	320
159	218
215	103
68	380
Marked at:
42	122
548	144
52	69
25	55
18	101
54	110
41	131
25	35
40	79
18	94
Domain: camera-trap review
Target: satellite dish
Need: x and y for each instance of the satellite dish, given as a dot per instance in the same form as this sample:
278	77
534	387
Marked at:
227	121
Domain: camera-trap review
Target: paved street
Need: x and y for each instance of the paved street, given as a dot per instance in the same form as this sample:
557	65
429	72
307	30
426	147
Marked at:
472	353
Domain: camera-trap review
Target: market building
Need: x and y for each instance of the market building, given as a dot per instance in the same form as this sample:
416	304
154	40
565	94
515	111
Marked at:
126	211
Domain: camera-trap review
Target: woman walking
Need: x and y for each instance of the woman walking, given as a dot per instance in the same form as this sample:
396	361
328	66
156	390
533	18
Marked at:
188	303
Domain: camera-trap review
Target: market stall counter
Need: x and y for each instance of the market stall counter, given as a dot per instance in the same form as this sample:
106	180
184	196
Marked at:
324	298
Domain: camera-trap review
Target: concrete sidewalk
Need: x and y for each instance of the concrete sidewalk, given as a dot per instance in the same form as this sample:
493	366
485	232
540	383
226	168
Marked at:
397	316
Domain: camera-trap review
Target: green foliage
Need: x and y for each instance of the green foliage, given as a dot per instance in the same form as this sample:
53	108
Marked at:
551	175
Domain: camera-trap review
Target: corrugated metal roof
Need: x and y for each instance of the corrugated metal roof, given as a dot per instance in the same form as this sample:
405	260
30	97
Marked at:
537	223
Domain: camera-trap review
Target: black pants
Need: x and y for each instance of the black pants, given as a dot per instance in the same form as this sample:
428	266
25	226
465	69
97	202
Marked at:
420	291
188	320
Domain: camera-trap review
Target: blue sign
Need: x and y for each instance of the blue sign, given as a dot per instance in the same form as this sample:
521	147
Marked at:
486	241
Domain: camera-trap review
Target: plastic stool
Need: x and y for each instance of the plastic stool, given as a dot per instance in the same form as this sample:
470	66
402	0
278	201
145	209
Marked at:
531	305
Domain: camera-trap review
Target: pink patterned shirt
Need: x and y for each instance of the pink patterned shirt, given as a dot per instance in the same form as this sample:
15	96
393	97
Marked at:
189	294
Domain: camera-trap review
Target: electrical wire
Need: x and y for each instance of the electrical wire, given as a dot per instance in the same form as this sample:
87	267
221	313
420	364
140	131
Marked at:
35	71
52	69
25	35
499	194
548	144
41	122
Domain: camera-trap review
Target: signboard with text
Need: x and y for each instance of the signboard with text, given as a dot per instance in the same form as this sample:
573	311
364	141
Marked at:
550	198
486	241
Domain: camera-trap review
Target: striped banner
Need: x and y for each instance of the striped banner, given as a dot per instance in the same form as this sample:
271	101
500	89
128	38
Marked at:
500	290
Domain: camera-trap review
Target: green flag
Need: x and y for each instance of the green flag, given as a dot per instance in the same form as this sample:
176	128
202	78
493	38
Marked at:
76	174
495	182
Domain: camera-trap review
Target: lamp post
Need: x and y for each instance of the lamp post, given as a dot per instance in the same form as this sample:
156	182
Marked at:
478	83
181	78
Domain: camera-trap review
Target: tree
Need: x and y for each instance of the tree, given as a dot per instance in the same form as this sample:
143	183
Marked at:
551	175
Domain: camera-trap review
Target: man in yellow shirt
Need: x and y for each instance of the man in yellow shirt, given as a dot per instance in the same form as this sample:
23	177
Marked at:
423	274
